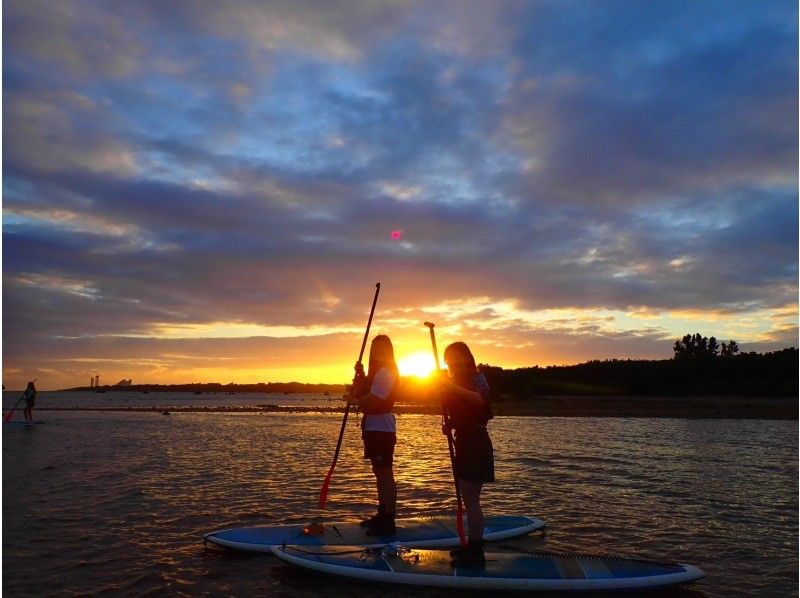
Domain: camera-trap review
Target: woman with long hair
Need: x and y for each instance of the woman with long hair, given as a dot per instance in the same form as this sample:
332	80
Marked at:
465	394
374	394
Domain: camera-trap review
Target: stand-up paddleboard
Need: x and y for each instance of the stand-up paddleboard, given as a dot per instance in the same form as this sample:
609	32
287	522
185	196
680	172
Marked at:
422	532
22	423
503	571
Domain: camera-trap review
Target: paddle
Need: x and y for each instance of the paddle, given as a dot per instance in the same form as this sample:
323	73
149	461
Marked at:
10	413
449	433
323	495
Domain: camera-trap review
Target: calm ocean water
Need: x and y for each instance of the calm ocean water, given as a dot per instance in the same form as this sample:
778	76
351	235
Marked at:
116	503
167	400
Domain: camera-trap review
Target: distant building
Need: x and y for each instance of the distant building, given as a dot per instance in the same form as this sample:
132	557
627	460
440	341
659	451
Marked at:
125	382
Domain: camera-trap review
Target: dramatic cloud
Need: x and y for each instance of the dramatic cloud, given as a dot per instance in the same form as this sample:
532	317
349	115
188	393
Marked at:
209	191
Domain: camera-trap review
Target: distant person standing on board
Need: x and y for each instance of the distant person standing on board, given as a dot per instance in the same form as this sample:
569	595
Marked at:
374	394
30	400
465	394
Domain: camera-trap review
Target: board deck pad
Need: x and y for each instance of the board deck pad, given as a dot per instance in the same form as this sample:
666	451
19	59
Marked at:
503	571
419	532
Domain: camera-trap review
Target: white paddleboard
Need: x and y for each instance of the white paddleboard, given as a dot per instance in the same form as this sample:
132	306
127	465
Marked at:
502	572
421	532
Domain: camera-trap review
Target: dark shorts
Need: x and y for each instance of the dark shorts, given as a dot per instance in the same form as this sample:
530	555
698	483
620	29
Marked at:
474	455
379	447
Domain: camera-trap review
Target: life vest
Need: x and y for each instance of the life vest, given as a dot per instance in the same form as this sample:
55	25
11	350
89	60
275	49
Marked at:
463	415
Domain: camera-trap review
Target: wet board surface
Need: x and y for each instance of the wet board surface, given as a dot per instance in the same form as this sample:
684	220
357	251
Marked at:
421	532
503	571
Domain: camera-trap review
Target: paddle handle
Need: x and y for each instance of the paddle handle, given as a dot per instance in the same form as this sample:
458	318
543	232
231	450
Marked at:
369	321
323	493
430	326
460	509
450	446
10	413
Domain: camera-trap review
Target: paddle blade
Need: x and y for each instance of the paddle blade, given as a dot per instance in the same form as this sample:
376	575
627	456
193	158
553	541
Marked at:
323	494
460	525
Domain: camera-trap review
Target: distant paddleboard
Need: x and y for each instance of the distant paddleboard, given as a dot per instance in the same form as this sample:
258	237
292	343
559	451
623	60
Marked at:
23	423
503	571
422	532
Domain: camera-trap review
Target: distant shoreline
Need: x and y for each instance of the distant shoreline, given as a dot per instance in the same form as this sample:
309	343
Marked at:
214	388
547	406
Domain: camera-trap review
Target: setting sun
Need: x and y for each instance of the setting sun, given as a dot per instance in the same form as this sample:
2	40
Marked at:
418	364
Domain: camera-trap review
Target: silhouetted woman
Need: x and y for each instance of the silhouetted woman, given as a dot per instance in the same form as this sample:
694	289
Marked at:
466	399
30	400
374	395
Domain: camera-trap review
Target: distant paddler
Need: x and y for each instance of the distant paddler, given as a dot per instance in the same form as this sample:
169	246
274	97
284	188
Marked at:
29	396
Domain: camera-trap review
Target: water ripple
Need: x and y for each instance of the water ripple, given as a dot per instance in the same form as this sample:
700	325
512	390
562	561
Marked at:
116	503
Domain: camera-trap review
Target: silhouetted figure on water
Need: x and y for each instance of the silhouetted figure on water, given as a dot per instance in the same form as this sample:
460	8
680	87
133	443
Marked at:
29	396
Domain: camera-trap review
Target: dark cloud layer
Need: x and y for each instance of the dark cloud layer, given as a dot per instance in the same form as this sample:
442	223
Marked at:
245	163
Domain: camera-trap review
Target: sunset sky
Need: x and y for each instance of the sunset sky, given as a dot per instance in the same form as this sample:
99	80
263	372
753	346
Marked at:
209	191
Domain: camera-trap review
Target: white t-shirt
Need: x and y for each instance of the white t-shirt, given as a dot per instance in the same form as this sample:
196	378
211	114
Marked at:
382	386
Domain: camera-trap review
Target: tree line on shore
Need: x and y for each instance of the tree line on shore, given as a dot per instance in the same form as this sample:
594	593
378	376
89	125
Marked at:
699	367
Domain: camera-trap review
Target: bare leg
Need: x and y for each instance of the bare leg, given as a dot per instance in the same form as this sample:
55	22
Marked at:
387	489
471	495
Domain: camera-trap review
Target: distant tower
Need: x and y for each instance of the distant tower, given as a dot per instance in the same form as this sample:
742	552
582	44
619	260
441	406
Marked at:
97	380
91	381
